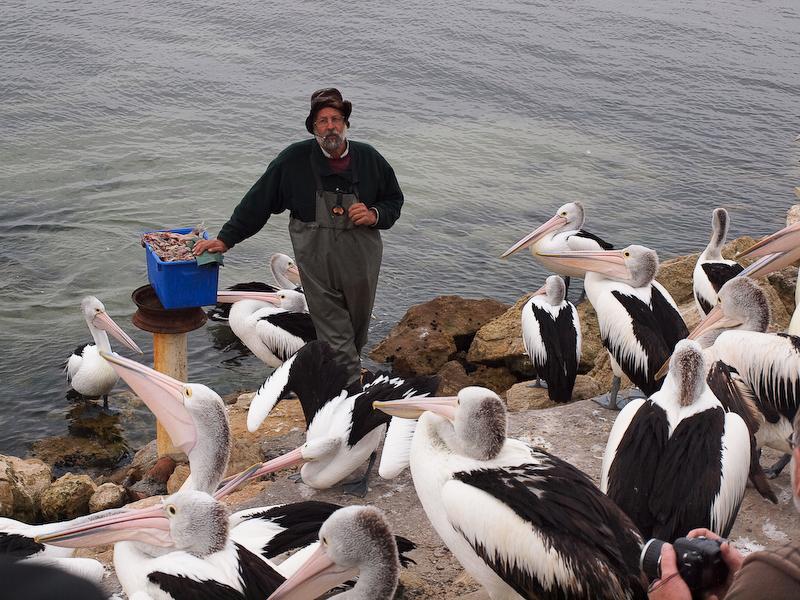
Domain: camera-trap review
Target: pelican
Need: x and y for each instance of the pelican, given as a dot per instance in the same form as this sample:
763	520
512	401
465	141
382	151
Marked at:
639	321
178	549
551	334
342	429
522	522
272	325
677	461
767	366
284	272
711	270
563	231
87	372
355	540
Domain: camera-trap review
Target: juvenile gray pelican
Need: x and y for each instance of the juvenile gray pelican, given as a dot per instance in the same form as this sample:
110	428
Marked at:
522	522
87	372
355	540
639	321
551	334
272	325
178	549
342	428
712	271
679	444
284	272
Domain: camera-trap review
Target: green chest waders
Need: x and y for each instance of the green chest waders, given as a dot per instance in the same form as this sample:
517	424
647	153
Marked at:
339	263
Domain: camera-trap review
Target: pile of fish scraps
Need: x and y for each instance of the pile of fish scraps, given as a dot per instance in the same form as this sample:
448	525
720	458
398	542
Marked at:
170	246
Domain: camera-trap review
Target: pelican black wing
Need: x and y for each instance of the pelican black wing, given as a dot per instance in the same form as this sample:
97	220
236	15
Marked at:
720	273
15	546
574	518
560	340
603	244
297	324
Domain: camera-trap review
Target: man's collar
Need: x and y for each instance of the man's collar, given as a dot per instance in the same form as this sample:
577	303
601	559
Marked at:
346	149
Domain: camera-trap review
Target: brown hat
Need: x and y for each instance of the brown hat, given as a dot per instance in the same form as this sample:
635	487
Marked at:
328	97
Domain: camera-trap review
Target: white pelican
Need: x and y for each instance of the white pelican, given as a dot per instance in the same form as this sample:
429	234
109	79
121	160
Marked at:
284	272
522	522
342	429
639	321
87	372
272	325
551	334
712	271
677	461
178	549
355	540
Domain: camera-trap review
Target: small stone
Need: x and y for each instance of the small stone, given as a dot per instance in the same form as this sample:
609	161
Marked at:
108	495
178	477
162	470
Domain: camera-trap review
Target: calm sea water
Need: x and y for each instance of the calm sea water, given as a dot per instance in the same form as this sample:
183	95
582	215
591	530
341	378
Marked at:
120	117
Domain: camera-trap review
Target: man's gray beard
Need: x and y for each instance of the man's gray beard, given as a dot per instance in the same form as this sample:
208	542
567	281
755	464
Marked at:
331	143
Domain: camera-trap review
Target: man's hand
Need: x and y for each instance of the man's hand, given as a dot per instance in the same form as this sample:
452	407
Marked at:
215	245
732	557
361	215
670	586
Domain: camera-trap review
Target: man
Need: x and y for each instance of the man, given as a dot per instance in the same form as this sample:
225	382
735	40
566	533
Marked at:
339	193
773	575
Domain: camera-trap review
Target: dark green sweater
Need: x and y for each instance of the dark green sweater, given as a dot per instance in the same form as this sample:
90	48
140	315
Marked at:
288	183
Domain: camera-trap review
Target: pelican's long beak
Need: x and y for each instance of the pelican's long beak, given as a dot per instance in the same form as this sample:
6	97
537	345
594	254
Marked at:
774	252
315	577
412	408
554	224
149	525
606	262
103	321
290	459
715	319
785	240
163	395
293	274
541	291
230	296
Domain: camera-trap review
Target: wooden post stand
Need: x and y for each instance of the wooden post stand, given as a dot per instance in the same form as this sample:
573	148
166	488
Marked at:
169	329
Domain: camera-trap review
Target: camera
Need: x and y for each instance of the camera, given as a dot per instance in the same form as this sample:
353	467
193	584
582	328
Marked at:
700	562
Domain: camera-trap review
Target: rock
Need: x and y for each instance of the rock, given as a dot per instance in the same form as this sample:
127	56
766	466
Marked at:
430	334
452	377
602	374
161	471
67	498
144	488
675	275
793	214
15	500
497	379
33	474
591	344
82	453
143	461
779	317
585	388
501	338
108	495
178	477
244	400
523	397
784	283
229	399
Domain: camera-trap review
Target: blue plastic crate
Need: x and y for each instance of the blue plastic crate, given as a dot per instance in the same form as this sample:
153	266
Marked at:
181	283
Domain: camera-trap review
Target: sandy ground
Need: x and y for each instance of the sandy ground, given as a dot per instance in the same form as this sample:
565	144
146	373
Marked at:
576	432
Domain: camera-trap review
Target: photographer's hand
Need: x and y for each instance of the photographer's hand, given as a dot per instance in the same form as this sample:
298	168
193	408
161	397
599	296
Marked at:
732	557
670	586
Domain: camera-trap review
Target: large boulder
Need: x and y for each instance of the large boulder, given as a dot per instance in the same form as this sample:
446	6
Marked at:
15	501
33	474
78	452
500	340
67	497
432	333
522	396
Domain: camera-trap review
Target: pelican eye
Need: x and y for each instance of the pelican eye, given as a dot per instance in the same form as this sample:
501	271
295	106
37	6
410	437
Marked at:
626	254
188	391
324	541
171	509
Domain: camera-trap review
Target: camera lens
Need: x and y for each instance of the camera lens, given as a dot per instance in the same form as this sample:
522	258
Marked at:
650	559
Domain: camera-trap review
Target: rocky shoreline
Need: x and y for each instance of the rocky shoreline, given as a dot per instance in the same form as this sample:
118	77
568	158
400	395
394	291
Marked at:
464	341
